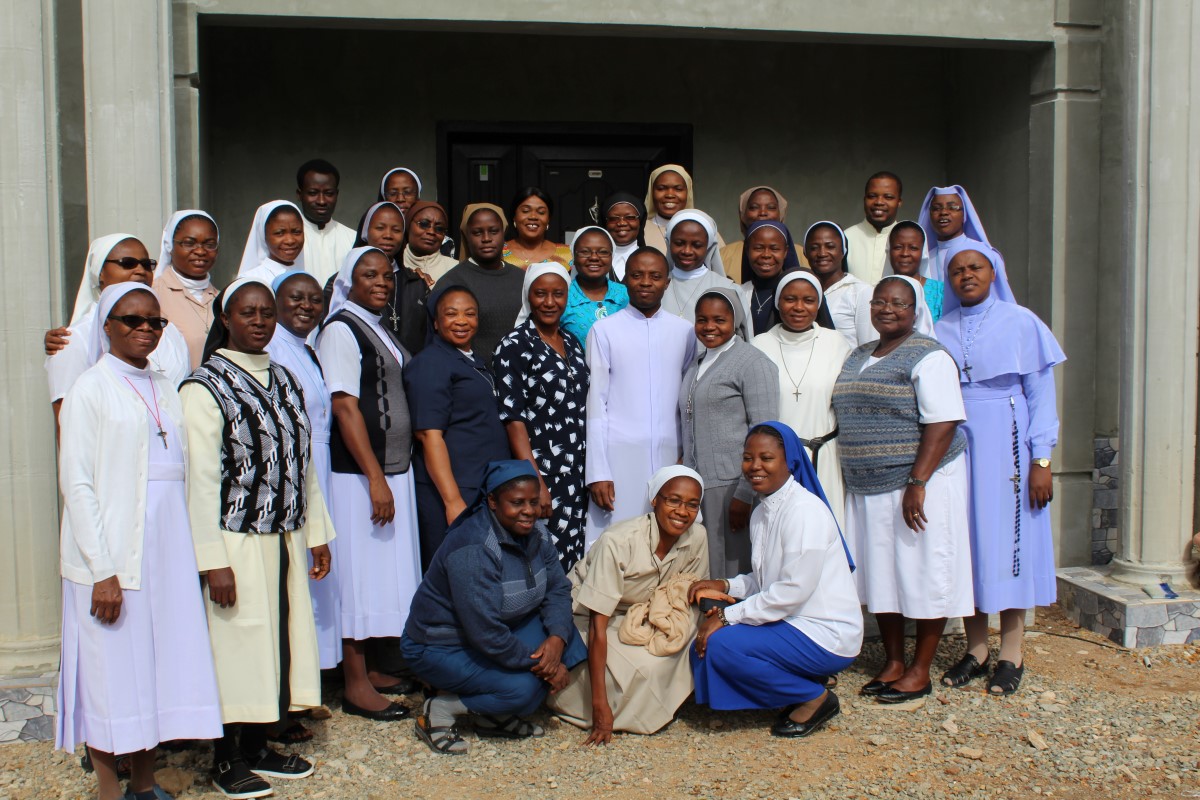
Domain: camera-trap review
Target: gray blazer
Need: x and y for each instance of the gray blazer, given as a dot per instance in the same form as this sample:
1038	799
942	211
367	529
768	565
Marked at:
737	392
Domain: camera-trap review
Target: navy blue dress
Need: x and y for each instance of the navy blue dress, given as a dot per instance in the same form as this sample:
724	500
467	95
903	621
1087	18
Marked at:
454	393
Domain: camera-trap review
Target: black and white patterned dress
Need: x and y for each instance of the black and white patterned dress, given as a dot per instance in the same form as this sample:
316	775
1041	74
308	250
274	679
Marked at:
548	392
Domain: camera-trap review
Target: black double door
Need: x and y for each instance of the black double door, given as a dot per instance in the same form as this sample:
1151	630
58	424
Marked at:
576	165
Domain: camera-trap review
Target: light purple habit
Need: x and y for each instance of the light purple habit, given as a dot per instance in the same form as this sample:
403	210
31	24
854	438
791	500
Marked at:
637	365
1010	382
972	229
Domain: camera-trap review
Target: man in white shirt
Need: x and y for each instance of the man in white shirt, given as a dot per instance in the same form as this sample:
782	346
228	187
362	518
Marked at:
868	240
326	241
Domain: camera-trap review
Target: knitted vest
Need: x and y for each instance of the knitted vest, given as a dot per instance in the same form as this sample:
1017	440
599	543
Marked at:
878	420
264	447
381	400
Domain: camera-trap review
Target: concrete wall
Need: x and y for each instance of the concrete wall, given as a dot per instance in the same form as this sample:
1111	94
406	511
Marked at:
811	119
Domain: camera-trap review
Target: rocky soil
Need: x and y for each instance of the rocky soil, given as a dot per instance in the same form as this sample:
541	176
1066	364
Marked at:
1090	721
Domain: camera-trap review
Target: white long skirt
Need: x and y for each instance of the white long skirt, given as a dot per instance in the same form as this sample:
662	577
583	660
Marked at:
924	575
326	594
148	677
378	567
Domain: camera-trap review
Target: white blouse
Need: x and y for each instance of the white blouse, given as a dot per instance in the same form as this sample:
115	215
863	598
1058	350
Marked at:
338	351
800	573
849	303
935	380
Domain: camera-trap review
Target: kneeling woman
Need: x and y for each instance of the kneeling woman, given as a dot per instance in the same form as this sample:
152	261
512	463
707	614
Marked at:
799	621
256	508
490	627
637	672
136	663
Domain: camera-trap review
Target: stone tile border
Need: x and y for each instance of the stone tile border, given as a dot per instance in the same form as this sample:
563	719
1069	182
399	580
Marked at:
1106	533
27	708
1124	614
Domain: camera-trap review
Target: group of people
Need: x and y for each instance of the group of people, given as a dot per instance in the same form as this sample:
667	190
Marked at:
600	476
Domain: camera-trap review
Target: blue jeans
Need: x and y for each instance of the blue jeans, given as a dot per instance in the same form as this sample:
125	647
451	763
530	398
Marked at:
484	686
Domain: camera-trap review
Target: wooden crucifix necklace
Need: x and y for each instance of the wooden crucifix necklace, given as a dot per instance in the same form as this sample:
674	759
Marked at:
154	412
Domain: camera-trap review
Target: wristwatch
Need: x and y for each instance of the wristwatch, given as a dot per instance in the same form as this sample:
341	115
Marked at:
916	482
1042	462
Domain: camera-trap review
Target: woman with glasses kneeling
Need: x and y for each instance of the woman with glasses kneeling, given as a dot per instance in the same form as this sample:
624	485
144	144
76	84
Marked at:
798	620
631	602
490	627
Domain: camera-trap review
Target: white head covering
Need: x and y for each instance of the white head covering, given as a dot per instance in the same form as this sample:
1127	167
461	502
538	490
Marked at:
168	237
924	319
712	259
925	269
593	229
841	233
109	298
237	284
799	275
390	173
89	284
256	243
534	272
667	474
345	278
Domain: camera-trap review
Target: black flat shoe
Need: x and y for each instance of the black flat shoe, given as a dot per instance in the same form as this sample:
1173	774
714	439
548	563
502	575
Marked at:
393	713
1006	679
790	729
402	687
892	696
873	688
966	670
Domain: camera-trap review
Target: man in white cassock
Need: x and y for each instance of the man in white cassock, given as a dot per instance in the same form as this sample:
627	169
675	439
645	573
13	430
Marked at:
637	358
326	241
868	240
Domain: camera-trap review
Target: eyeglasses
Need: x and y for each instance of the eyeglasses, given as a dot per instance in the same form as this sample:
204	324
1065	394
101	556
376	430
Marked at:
426	224
603	252
629	219
210	245
674	503
129	262
879	305
135	321
392	194
945	207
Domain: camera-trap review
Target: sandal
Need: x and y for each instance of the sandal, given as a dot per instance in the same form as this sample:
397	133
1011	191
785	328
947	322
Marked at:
508	728
1006	678
831	682
966	670
441	739
292	734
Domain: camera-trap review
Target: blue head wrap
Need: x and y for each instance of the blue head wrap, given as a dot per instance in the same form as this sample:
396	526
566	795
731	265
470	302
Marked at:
803	472
279	281
499	473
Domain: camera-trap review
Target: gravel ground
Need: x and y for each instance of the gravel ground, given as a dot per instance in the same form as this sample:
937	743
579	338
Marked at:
1090	720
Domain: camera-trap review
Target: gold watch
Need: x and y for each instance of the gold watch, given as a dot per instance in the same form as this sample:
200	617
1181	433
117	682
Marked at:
1042	462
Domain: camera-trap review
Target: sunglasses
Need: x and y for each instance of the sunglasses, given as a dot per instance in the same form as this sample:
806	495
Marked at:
129	262
426	224
135	321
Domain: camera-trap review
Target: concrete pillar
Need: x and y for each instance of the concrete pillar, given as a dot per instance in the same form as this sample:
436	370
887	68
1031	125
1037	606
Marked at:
129	117
1162	290
29	585
1064	191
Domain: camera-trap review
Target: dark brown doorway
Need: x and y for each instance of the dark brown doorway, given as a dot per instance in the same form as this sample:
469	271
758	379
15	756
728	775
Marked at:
577	165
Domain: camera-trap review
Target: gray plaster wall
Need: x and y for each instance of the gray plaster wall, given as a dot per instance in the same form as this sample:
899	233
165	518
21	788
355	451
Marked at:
812	119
